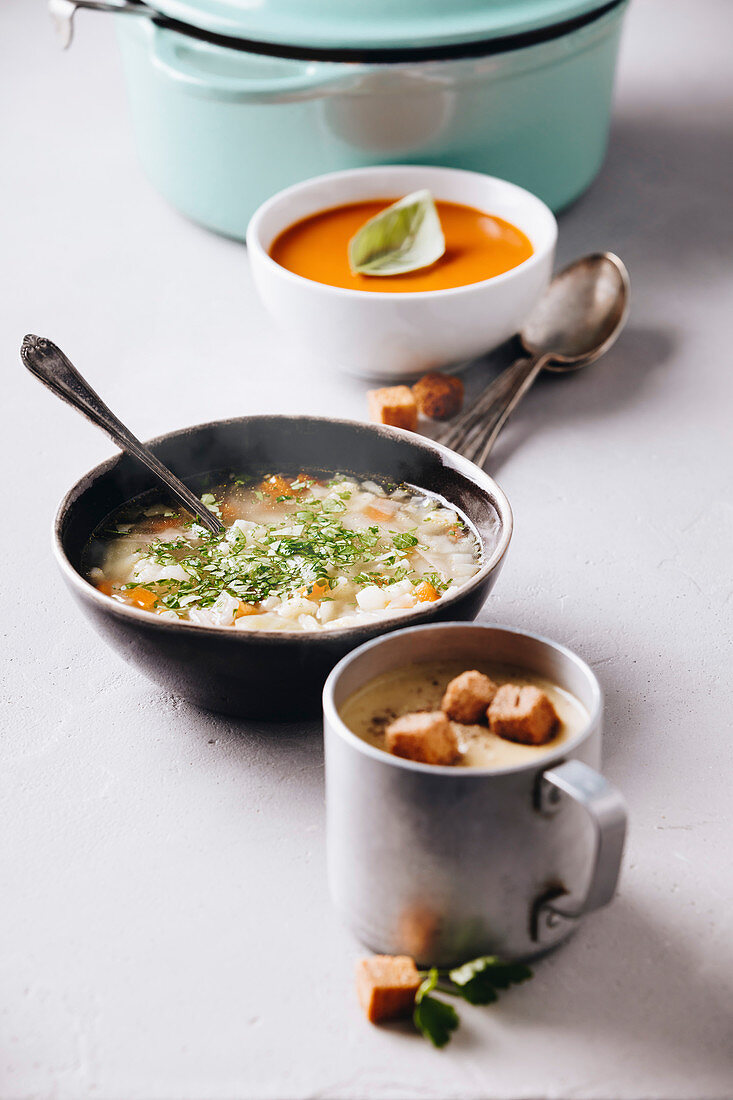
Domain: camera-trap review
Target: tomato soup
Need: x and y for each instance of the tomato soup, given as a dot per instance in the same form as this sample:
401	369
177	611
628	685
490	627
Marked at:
478	246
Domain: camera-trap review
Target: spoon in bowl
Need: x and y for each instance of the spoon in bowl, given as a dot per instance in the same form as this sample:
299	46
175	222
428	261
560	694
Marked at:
577	319
50	365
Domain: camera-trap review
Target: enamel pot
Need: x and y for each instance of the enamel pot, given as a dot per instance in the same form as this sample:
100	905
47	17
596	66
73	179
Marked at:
220	127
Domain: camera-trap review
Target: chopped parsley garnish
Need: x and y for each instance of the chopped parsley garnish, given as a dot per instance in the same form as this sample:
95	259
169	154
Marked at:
294	541
309	543
404	541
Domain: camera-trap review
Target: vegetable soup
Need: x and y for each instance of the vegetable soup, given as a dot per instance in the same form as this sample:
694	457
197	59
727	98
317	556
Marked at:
478	246
297	553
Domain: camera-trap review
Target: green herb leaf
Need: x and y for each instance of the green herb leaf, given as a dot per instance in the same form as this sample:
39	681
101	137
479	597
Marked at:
404	541
306	542
478	980
404	237
434	1019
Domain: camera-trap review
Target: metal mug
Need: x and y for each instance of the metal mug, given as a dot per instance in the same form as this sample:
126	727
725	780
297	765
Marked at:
446	863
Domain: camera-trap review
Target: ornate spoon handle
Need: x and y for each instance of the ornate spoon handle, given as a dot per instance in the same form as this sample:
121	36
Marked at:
49	364
474	433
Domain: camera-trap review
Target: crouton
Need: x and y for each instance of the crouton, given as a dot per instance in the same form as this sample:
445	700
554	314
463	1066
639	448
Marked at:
467	697
386	986
393	405
522	714
439	396
426	736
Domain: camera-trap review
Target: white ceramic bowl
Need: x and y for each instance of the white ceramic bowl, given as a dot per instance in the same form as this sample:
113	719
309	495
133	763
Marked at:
386	335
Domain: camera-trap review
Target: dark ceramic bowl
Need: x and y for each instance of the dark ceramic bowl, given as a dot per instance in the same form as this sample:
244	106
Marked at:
254	673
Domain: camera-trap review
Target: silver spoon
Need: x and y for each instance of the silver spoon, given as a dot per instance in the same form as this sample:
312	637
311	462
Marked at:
578	318
51	366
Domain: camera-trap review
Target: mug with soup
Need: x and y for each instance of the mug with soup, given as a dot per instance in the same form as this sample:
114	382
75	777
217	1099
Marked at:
501	851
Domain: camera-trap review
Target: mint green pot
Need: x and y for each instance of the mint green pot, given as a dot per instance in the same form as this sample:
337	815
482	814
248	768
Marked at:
219	130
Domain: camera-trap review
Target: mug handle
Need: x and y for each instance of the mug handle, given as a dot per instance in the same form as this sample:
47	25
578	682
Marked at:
606	809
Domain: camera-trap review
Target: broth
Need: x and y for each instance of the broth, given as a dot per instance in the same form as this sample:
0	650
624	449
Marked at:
297	553
478	246
421	686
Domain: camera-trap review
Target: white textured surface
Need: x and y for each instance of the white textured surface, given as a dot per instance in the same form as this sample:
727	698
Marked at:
164	928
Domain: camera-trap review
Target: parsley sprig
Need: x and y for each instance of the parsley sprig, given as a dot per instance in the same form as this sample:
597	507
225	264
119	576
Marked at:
477	982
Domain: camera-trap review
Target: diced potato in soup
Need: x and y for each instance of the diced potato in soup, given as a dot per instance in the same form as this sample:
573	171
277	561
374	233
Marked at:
298	553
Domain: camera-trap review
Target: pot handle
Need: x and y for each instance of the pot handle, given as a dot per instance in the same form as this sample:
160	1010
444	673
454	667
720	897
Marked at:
309	81
606	809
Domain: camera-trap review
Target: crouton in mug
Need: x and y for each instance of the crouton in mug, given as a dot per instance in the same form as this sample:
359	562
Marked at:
522	714
426	737
468	696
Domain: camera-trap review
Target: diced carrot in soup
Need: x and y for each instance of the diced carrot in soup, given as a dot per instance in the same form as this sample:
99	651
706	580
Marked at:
105	588
276	486
245	609
316	591
425	592
319	590
372	512
141	597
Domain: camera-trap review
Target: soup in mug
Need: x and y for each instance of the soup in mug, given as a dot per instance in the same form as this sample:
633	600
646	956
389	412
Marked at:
297	553
478	246
420	690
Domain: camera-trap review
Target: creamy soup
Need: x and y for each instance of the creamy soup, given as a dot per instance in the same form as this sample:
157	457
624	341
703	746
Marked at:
478	246
297	553
420	687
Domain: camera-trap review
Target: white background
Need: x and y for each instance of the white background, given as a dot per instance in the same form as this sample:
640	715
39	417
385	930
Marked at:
165	930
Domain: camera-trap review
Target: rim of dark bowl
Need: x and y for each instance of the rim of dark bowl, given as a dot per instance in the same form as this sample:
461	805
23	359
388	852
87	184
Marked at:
462	465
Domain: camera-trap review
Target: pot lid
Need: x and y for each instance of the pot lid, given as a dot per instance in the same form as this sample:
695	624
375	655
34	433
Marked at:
375	24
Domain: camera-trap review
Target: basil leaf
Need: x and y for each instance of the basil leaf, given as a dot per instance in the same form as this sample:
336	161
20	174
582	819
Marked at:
404	237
